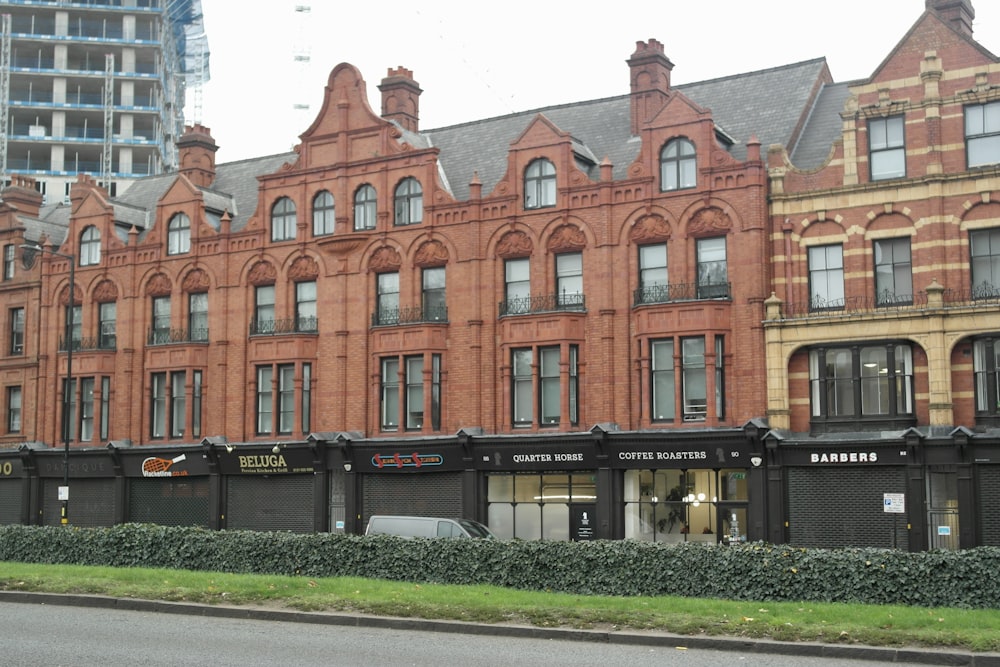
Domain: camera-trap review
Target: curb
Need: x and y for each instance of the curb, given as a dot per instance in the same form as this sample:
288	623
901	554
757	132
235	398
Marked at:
753	646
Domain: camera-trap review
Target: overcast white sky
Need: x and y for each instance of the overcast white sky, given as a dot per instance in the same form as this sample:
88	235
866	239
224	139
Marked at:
479	60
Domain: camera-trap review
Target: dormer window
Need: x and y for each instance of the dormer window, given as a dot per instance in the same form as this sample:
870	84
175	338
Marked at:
886	148
179	235
409	202
283	220
678	165
540	184
364	208
90	247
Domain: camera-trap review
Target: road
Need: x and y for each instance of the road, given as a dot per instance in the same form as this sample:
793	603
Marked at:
72	636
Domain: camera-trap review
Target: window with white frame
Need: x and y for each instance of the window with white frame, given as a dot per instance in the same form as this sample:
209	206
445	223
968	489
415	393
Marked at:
305	306
540	184
517	286
553	385
678	165
324	214
179	234
886	148
264	308
826	277
364	208
409	202
283	220
435	307
982	134
653	274
663	394
893	272
390	394
522	392
569	280
14	409
16	320
694	385
90	246
107	325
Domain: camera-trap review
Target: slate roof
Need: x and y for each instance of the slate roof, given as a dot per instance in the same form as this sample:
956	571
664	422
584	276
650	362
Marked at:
824	127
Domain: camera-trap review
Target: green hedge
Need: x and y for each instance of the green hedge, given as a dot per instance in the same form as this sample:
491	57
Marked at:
626	568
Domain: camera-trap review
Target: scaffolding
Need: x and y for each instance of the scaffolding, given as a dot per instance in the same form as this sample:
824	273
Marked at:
4	97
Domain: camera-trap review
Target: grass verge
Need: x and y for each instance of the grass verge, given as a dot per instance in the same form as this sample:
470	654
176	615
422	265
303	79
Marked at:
895	626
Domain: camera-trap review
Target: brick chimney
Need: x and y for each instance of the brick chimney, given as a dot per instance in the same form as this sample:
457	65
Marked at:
196	148
649	71
956	13
22	195
400	98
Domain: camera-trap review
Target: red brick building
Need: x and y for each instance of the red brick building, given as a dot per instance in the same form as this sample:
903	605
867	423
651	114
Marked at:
555	321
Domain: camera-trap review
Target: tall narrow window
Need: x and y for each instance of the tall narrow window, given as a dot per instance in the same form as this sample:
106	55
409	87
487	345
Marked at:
521	391
198	316
264	309
414	393
982	134
107	336
540	184
434	306
158	405
663	394
90	246
569	280
720	379
574	386
179	234
178	408
436	392
196	404
17	331
893	274
887	149
518	286
549	393
283	220
69	409
695	390
305	306
265	400
86	409
409	202
161	320
105	407
9	252
286	398
713	272
388	298
653	274
826	277
74	324
986	370
324	213
13	409
985	248
390	394
678	165
364	208
306	397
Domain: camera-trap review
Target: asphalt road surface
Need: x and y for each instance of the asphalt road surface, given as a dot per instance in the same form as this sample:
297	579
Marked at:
70	636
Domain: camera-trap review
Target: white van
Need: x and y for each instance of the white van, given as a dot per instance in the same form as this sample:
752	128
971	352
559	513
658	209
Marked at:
425	526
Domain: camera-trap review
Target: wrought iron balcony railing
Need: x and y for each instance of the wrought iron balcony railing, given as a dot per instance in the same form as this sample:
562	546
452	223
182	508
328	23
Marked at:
288	325
174	336
546	303
89	343
681	292
411	315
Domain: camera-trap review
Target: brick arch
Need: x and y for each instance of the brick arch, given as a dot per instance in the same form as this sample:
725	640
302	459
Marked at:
515	244
262	273
567	238
77	296
196	281
650	228
385	259
709	221
105	292
303	268
431	253
159	285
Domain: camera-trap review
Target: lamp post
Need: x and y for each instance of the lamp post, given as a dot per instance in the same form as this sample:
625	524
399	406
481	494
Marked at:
28	253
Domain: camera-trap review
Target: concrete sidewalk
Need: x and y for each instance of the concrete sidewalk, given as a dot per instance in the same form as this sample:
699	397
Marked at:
646	638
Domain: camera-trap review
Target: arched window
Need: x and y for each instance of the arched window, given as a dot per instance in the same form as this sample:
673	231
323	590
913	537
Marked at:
283	220
364	208
179	234
678	165
409	202
90	246
323	213
540	184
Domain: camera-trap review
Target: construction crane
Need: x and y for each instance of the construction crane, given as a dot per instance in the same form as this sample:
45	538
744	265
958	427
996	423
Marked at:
4	98
109	120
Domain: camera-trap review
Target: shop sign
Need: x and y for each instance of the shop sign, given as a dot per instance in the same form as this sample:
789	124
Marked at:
163	464
285	462
838	457
408	461
413	460
734	455
537	458
81	467
10	468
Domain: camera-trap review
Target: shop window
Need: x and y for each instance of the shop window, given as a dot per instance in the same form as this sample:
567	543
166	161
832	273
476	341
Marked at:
678	165
324	214
826	277
982	134
283	220
893	272
886	148
536	506
873	383
985	248
409	202
540	184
